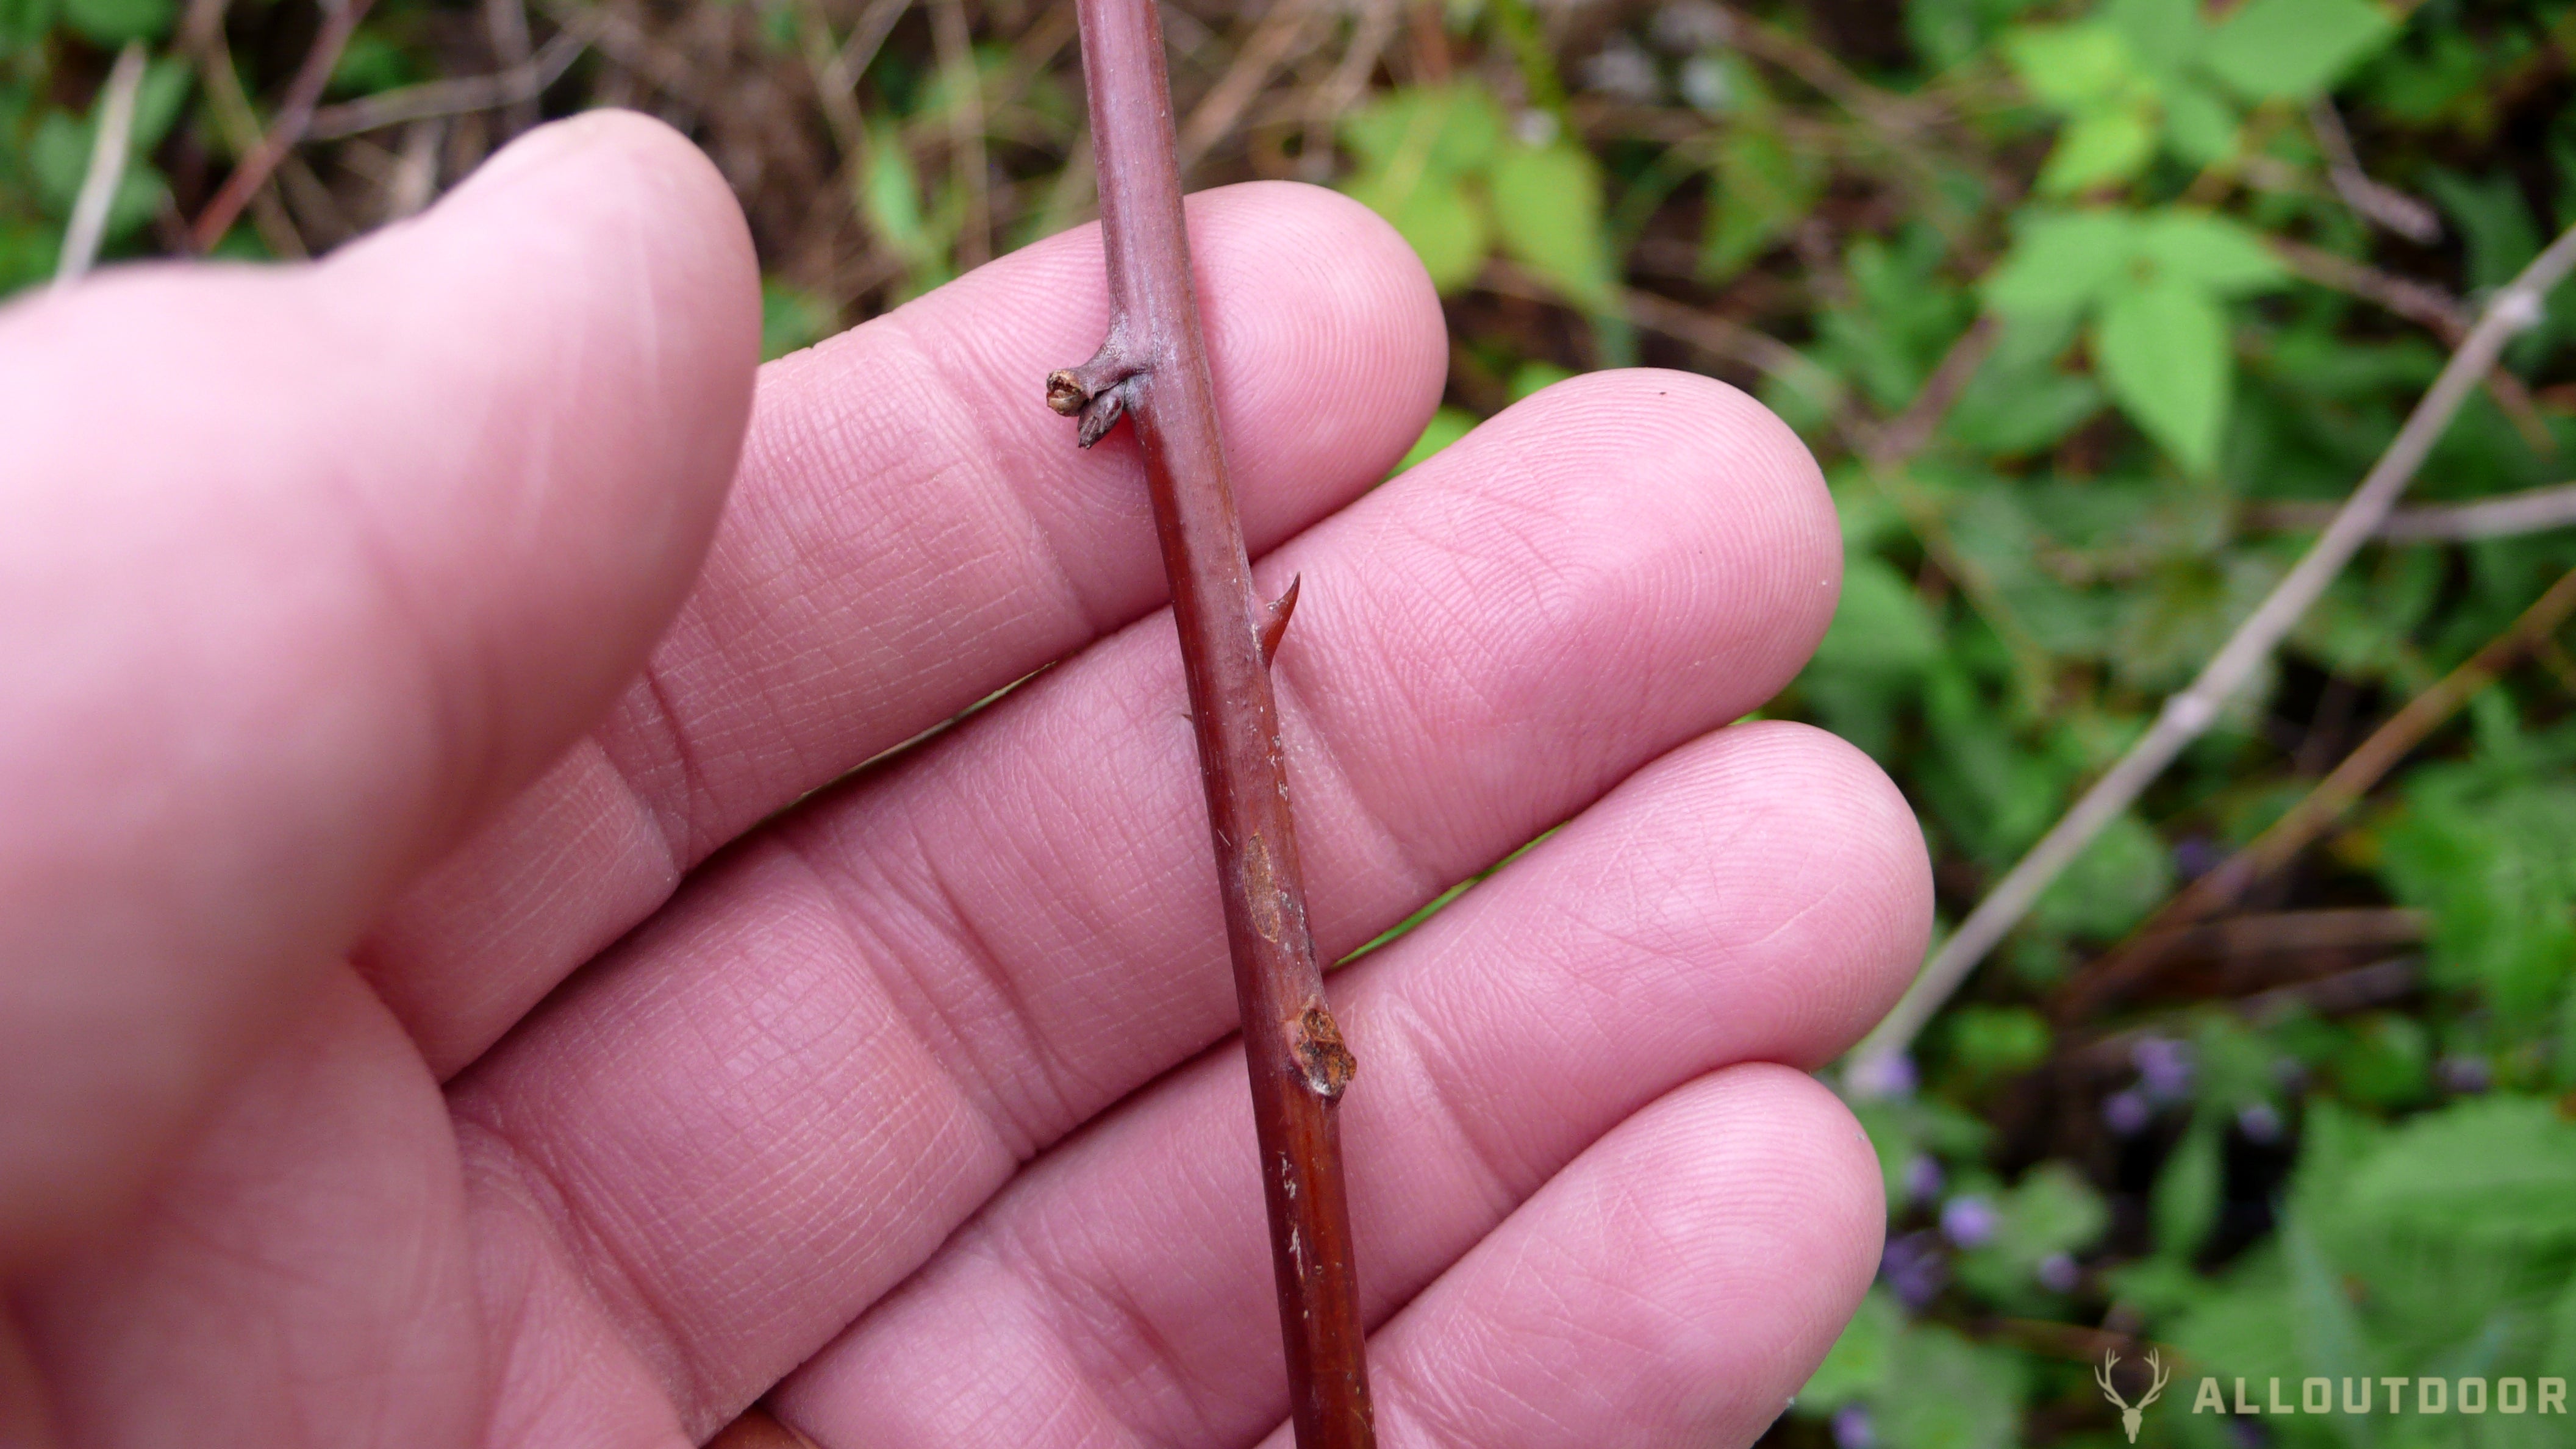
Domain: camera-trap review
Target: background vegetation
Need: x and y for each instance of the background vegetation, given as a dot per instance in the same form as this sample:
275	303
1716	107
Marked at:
2090	308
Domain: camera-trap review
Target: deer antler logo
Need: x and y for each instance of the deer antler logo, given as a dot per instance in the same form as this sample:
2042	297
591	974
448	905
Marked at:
2130	1413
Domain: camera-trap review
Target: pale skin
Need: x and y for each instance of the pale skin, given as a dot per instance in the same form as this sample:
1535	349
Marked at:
424	1021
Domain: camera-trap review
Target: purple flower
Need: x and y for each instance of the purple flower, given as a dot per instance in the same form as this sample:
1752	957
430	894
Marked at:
2195	856
1852	1428
2127	1113
2058	1274
1914	1269
2466	1075
2164	1068
2259	1122
1922	1177
1872	1078
1968	1220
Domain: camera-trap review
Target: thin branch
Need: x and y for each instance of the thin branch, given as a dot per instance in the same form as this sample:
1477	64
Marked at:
505	22
2168	931
108	153
339	21
1283	32
866	39
2533	510
1153	367
2430	307
1873	1065
2440	313
2385	206
1332	100
456	97
201	35
414	180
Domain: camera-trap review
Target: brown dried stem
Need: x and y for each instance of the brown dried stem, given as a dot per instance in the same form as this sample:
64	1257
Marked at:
339	21
1153	369
2168	932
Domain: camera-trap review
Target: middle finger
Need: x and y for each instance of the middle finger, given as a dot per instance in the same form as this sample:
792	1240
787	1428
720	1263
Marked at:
782	1095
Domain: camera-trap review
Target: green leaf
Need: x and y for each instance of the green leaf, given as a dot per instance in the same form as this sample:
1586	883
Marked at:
59	156
2120	877
165	88
2184	1204
2021	400
2161	34
1944	1392
890	194
2099	148
1547	206
791	319
2491	855
2295	49
2494	221
111	23
1988	1042
2499	1169
2052	1210
2061	262
2199	127
1445	131
1436	216
1762	188
1858	1362
1447	426
2161	347
2071	67
2227	257
1535	376
24	23
1881	626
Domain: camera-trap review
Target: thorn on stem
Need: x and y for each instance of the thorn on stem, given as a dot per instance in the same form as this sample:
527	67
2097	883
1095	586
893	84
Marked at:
1275	625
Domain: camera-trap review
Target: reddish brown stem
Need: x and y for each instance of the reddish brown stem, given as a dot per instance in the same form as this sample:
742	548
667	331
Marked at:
339	22
1153	370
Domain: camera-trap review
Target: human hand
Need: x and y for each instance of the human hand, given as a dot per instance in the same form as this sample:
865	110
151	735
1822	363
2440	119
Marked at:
424	1022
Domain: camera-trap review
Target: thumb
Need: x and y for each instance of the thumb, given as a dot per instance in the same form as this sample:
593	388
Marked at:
307	567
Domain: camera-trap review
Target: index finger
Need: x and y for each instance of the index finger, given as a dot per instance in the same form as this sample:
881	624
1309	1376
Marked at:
912	530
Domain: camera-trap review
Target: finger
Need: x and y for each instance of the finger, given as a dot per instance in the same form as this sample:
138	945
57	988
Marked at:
960	963
1757	896
914	530
308	567
297	1274
1768	905
1675	1285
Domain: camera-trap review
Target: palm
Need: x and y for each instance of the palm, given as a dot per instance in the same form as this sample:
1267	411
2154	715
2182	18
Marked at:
918	1097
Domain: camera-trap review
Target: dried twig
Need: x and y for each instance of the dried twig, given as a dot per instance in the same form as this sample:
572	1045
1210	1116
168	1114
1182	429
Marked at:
339	21
1333	99
1289	26
505	23
2533	510
2168	932
1153	367
456	97
2444	315
108	151
2386	206
1873	1065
